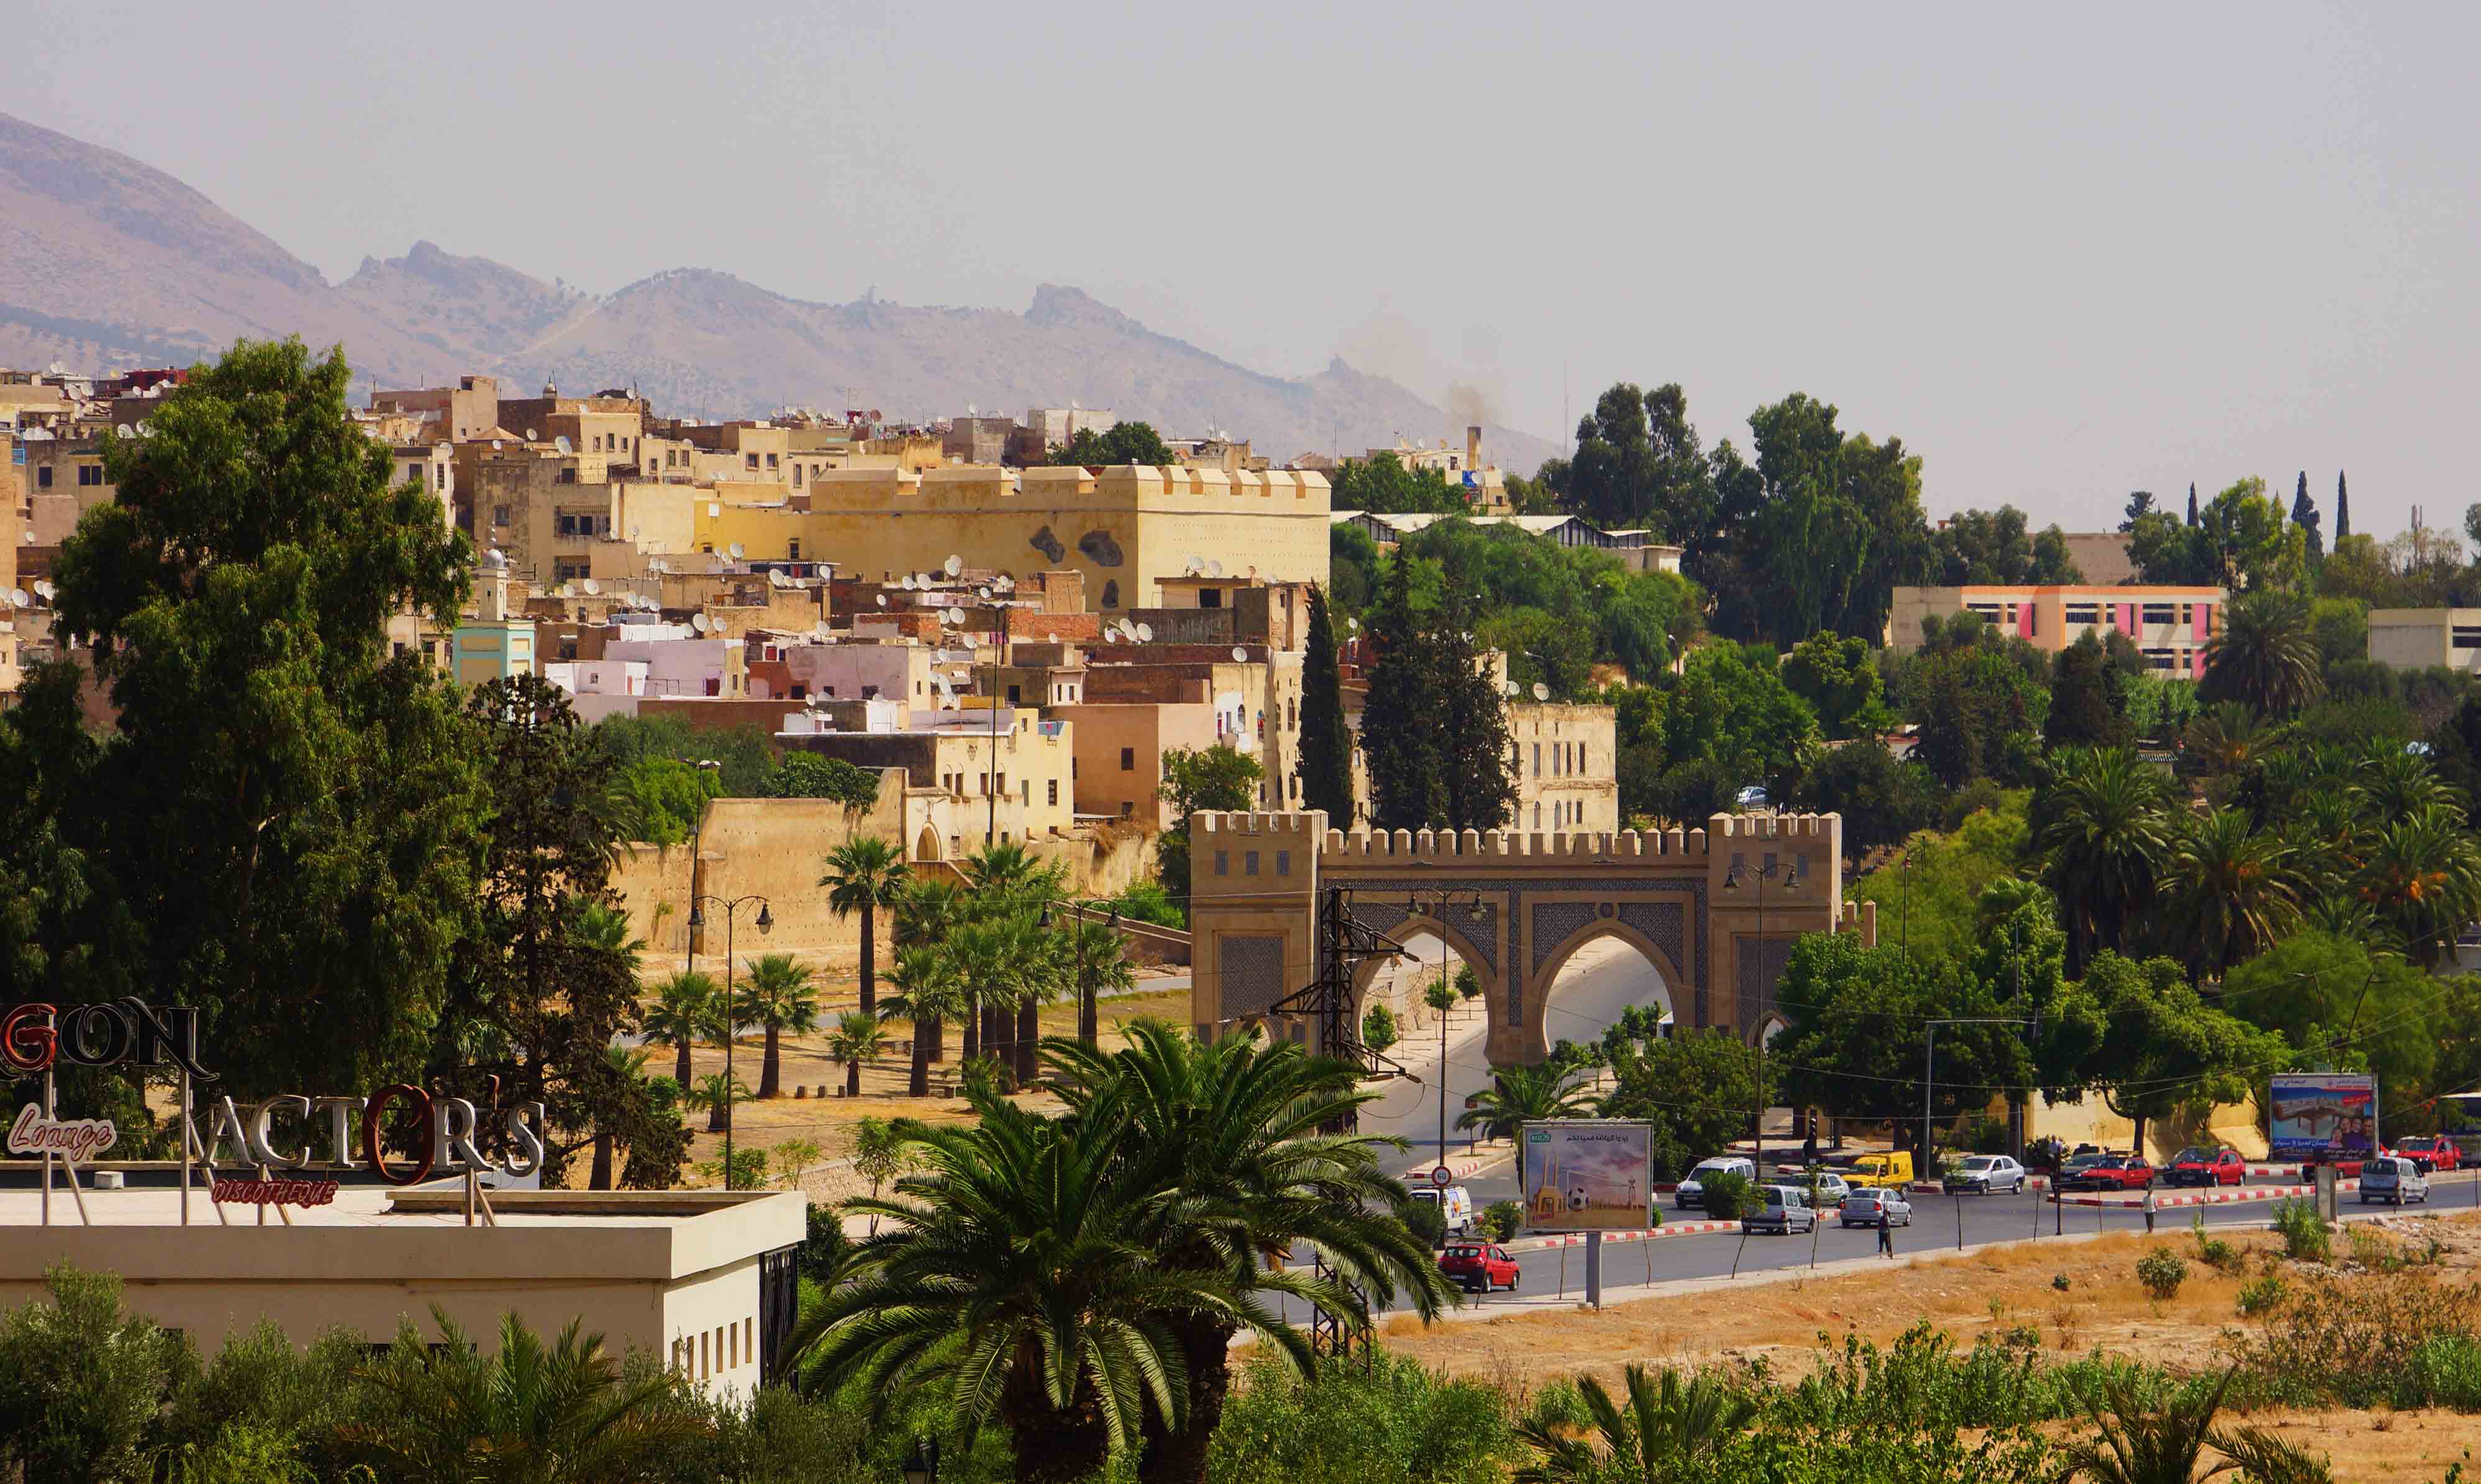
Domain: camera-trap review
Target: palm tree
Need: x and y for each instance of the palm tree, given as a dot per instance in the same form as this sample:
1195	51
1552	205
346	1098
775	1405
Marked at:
1665	1433
605	926
2422	874
717	1092
1008	869
1523	1095
686	1011
1098	964
1014	1280
865	875
2231	890
627	1066
2227	739
859	1037
1250	1174
1043	973
2392	783
985	961
2103	823
928	993
775	992
2135	1446
2265	655
557	1414
930	910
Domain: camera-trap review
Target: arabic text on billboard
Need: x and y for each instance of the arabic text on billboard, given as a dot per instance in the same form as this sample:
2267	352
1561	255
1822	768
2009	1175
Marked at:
1587	1175
2323	1115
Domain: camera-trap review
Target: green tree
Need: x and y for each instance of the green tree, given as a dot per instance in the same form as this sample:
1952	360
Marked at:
2164	1047
1835	676
2304	514
1882	800
2264	655
1378	1028
859	1037
1670	1428
1521	1095
1325	766
1731	704
1995	546
2165	550
1980	704
1382	486
282	827
2084	700
928	992
1202	779
2104	825
1122	443
2226	891
865	875
716	1093
2422	875
81	1383
1400	739
775	992
2136	1443
1481	795
2339	1004
808	775
1695	1087
2342	508
1929	902
2255	547
686	1010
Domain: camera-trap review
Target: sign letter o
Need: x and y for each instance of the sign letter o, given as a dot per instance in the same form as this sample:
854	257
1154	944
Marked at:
419	1102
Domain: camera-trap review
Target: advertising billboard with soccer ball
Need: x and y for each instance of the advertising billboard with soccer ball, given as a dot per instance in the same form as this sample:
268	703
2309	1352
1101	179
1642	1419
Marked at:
2323	1117
1587	1174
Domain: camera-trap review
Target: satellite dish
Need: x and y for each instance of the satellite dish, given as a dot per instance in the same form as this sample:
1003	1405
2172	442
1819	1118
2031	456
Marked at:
532	437
697	621
495	445
1145	633
1240	655
1541	692
561	443
981	592
1196	565
564	592
30	538
147	430
953	564
127	431
592	587
737	551
1507	688
1215	569
905	582
1355	624
633	533
43	588
883	600
18	595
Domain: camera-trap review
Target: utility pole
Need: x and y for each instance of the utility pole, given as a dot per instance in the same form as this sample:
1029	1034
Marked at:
1791	883
1929	1045
1343	945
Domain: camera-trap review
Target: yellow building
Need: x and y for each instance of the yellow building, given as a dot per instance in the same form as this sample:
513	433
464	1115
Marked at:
1126	529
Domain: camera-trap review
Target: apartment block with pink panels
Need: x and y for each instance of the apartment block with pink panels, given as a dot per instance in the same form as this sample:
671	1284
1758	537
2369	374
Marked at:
2169	625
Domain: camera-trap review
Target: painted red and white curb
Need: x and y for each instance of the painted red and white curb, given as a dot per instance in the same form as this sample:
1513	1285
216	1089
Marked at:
2226	1197
1460	1168
1653	1234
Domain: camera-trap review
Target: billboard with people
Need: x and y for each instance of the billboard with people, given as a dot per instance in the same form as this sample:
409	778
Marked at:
2323	1116
1588	1174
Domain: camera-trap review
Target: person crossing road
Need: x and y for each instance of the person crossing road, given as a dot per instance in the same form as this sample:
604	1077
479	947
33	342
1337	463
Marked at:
1886	1235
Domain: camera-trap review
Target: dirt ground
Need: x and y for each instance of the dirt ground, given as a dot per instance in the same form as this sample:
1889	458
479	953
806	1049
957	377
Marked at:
1970	1295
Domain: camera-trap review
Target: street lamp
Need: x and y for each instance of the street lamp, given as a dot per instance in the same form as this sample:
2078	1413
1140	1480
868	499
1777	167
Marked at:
1791	883
1087	1016
923	1467
765	925
1473	913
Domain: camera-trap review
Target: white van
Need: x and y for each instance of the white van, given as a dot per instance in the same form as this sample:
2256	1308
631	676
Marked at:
1691	1193
1456	1203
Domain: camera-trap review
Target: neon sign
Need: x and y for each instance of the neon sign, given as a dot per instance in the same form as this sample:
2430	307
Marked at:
122	1032
77	1140
288	1133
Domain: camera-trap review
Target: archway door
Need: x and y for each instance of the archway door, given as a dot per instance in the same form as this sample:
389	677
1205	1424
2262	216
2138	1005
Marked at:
1594	975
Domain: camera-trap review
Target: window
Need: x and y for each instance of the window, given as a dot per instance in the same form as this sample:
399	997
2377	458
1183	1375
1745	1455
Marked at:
2081	613
2158	659
1537	760
1053	789
1249	863
1127	809
797	475
567	476
2467	636
792	550
1292	785
498	515
1128	760
1283	863
1537	814
44	477
770	460
1222	858
2187	615
2158	613
599	444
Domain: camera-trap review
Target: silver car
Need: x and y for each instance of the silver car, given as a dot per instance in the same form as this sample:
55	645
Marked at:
1787	1210
1862	1208
1984	1175
2395	1179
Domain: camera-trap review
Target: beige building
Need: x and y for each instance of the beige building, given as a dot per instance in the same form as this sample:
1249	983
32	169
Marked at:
2170	625
468	409
1119	753
1566	766
1126	529
954	793
2411	638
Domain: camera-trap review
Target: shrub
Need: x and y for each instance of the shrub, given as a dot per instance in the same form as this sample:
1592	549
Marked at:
1727	1195
1468	987
1503	1220
2059	1281
2305	1236
2161	1273
1378	1028
1388	1422
1425	1220
2214	1252
2262	1294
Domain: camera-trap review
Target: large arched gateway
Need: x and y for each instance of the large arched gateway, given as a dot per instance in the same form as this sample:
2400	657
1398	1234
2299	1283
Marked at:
1714	911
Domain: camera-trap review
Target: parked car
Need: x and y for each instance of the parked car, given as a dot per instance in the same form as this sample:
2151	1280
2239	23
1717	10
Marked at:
1982	1174
2431	1152
2392	1179
2111	1172
2197	1166
1787	1210
1893	1168
2078	1163
1862	1208
1456	1203
1753	796
1480	1266
1691	1193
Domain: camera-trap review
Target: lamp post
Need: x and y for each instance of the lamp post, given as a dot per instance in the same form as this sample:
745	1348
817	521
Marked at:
923	1467
1088	1012
1791	870
765	925
1443	897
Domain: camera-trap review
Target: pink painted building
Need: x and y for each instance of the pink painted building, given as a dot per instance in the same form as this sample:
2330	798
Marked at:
2169	626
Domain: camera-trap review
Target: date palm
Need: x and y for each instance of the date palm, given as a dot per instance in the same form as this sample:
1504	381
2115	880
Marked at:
1098	965
686	1010
2230	891
2265	654
932	908
928	993
2136	1444
2103	823
1246	1172
858	1036
2422	874
1521	1095
716	1093
1665	1431
865	875
775	994
2392	783
2228	738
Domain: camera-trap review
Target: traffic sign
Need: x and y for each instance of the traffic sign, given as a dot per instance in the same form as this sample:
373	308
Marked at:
1443	1176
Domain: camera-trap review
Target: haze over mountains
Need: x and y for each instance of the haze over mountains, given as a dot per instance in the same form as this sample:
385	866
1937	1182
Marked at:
106	263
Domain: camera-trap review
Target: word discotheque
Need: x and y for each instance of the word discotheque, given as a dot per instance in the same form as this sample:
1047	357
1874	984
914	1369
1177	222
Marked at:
287	1132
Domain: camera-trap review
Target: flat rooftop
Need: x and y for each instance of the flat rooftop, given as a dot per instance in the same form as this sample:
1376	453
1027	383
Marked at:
435	1203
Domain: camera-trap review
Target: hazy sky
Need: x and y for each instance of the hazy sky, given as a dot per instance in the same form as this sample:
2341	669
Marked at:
2061	257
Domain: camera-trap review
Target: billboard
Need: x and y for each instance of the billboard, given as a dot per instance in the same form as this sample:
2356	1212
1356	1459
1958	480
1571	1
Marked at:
2323	1115
1588	1174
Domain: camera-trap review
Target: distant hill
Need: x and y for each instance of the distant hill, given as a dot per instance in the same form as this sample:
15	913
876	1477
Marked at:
106	263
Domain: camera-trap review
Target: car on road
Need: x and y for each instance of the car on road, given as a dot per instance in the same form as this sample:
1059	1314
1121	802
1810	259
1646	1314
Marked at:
2392	1179
2431	1152
1983	1174
1830	1188
2198	1165
1478	1267
2111	1172
1861	1208
1786	1209
2079	1162
1893	1168
1691	1193
1455	1203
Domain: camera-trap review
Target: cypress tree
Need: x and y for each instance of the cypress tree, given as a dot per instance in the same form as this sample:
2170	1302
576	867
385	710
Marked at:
2342	508
1400	736
1480	794
2192	501
1327	749
2304	514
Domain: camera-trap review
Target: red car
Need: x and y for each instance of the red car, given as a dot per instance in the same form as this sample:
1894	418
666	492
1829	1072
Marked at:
2431	1152
2111	1172
2206	1167
1480	1266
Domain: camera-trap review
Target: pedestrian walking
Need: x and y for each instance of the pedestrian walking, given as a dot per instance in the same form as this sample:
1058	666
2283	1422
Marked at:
1886	1235
2151	1206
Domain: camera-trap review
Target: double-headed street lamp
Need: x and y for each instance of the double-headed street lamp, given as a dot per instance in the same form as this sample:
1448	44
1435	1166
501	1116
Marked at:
1790	872
1441	897
765	925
